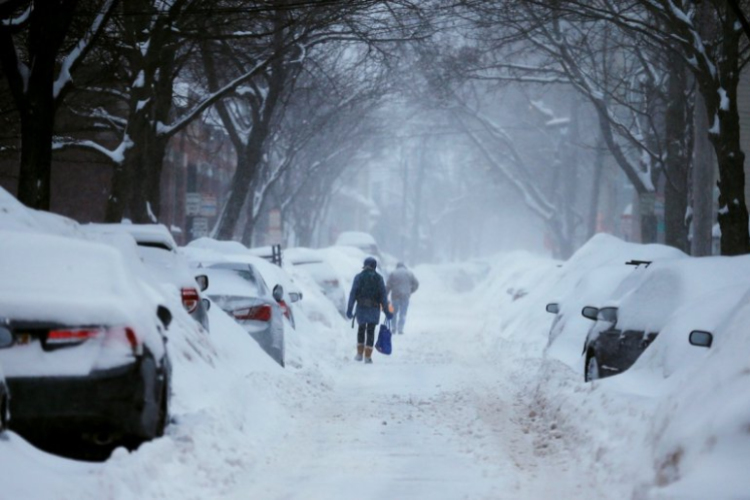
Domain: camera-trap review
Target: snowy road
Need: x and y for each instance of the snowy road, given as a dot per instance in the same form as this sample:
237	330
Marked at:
438	419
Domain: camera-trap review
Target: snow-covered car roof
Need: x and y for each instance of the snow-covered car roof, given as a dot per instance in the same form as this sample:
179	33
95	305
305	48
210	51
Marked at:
53	278
649	296
165	265
15	216
302	255
209	251
356	239
219	246
148	234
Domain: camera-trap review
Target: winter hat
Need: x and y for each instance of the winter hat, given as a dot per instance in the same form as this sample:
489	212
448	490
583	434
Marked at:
371	263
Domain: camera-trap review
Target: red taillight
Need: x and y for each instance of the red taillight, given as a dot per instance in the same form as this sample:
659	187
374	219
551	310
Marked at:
113	337
257	313
285	310
72	336
190	299
119	336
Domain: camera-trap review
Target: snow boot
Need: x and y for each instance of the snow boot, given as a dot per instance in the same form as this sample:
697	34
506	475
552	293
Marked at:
368	355
360	350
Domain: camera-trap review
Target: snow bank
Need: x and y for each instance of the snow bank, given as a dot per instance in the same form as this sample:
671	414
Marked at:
230	401
676	424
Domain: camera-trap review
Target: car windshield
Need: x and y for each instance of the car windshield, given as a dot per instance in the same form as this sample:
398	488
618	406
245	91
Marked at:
247	273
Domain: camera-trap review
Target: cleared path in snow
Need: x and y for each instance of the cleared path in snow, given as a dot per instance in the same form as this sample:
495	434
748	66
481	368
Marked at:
439	419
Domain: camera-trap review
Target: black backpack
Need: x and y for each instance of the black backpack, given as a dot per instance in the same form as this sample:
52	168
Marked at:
368	293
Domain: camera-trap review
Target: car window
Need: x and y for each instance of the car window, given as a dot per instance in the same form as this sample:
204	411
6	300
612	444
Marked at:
247	273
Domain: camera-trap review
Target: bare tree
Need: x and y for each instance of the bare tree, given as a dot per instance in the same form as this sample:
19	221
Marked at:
42	44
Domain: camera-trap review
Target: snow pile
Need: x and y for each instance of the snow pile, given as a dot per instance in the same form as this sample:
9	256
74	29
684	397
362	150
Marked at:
702	427
230	400
653	431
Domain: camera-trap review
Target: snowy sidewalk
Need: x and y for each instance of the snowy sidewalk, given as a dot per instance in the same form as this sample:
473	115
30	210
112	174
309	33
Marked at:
434	420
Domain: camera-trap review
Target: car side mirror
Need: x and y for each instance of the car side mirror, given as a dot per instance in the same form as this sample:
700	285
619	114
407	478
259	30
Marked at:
278	293
590	312
553	308
165	316
6	337
701	339
202	281
206	304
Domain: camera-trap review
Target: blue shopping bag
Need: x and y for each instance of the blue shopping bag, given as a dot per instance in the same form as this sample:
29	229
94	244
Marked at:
383	345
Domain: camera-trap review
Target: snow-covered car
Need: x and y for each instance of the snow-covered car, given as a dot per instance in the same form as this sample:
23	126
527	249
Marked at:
6	340
281	284
324	275
158	251
206	251
88	357
648	300
239	290
367	244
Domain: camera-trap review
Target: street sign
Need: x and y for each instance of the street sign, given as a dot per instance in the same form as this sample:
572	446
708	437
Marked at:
193	203
208	206
200	227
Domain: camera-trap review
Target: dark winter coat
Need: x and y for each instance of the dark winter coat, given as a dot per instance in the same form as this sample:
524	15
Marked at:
368	291
402	283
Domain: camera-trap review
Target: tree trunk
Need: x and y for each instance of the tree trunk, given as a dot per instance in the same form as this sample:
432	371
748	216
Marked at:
48	25
723	115
596	187
418	185
677	164
702	181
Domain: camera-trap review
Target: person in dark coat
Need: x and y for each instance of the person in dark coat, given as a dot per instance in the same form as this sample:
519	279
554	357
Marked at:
368	291
401	284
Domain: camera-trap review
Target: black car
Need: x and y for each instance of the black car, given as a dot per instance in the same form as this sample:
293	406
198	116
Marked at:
88	354
6	339
608	349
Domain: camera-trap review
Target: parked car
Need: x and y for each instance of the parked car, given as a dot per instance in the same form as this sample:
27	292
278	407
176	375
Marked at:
206	251
6	340
366	242
158	250
88	355
652	298
321	271
275	276
239	290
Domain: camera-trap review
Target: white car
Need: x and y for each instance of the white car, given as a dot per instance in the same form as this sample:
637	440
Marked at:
158	250
88	356
324	275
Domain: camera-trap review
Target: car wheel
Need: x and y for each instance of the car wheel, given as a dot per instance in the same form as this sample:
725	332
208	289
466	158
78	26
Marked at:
163	417
4	413
592	369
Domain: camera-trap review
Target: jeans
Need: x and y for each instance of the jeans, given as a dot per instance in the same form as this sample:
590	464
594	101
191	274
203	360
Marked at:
400	308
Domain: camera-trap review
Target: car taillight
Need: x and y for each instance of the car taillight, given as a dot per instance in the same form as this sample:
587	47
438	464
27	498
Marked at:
123	336
73	336
113	337
257	313
285	310
190	299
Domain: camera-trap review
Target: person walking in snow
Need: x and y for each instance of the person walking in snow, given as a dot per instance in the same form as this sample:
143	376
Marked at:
401	284
368	291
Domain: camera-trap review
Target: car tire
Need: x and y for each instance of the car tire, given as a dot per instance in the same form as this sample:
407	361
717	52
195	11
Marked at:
592	371
4	413
163	417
